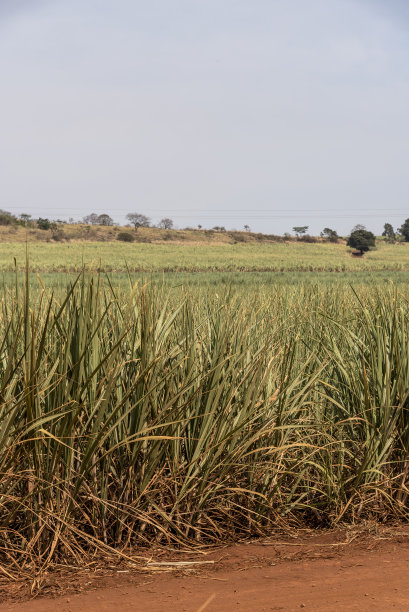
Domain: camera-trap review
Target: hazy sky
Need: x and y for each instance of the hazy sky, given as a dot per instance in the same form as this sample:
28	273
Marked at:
220	112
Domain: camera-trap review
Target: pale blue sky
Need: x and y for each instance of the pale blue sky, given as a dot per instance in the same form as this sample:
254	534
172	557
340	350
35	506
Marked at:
220	112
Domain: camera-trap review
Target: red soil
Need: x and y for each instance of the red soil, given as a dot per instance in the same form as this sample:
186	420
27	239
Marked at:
321	572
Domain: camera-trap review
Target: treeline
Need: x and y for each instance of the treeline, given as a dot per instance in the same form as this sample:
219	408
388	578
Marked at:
139	220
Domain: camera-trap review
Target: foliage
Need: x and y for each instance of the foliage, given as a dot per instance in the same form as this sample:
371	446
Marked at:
95	219
136	417
125	237
299	230
362	240
330	234
404	230
105	220
44	224
165	224
92	219
6	218
388	232
25	218
138	220
307	238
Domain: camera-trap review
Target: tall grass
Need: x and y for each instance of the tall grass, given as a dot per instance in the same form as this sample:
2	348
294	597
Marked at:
278	258
131	417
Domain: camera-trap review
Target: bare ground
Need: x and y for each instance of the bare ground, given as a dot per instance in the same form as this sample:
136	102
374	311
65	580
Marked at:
334	570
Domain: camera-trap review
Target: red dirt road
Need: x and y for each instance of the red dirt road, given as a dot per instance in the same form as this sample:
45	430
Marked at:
318	573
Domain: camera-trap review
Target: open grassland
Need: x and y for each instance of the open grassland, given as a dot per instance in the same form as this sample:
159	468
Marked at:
133	416
248	257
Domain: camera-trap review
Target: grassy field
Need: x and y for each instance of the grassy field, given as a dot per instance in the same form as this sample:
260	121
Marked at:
197	411
174	257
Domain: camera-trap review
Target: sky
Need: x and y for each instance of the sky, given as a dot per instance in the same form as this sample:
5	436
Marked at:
267	113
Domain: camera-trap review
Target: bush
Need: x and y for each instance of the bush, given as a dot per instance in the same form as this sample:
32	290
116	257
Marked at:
125	237
6	218
307	238
43	224
59	235
238	236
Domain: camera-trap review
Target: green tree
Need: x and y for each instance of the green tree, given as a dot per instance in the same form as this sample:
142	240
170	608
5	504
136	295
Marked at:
404	230
25	218
362	240
43	224
329	234
388	232
300	230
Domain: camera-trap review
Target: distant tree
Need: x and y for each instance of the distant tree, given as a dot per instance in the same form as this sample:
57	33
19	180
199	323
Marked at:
91	219
199	227
404	230
25	218
166	224
388	232
362	240
358	228
6	218
247	228
299	230
43	224
329	234
138	220
105	219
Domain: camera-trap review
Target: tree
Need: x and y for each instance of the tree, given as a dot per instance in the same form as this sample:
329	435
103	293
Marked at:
43	224
105	219
388	232
362	240
247	228
25	218
166	223
138	220
357	228
6	218
299	230
404	230
91	219
329	234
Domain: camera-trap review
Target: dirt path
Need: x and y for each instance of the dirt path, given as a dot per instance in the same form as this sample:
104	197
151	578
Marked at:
319	572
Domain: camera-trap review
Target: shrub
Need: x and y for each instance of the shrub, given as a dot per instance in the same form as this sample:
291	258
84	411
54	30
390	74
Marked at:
307	238
6	218
59	235
125	237
43	224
